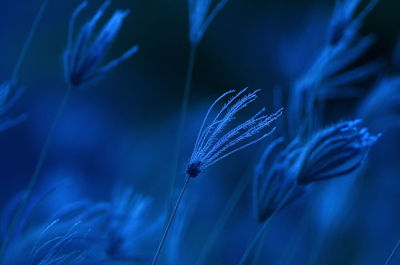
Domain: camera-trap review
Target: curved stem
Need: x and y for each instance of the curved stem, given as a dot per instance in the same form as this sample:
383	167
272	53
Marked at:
393	252
32	31
36	172
178	140
171	219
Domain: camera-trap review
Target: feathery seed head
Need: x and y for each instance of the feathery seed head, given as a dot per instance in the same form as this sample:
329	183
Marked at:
214	142
334	152
83	57
276	188
200	17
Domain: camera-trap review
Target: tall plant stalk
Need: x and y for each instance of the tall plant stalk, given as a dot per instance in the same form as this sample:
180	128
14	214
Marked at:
393	252
226	213
264	226
181	126
35	175
14	75
253	242
13	82
171	220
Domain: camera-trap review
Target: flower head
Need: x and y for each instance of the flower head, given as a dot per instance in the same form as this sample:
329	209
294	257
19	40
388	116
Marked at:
200	17
212	145
332	74
82	58
334	152
276	187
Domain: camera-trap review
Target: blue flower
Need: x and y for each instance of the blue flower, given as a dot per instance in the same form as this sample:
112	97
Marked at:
331	75
337	151
275	187
83	57
212	146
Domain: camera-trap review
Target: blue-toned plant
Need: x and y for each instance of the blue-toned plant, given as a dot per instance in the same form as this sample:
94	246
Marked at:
83	232
276	186
200	17
336	151
214	142
330	74
7	96
83	56
81	65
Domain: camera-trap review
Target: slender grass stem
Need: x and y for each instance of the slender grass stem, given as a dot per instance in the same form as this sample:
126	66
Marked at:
299	234
171	219
257	235
265	225
35	175
32	31
230	206
260	247
393	252
178	140
226	213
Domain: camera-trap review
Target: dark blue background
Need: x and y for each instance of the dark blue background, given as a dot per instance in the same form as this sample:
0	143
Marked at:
121	129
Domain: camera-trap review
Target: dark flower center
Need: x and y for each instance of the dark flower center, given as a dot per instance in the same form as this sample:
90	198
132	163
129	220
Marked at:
193	169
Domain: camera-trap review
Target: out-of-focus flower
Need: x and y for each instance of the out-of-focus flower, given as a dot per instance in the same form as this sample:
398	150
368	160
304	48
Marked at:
83	56
200	17
83	232
329	76
211	146
126	225
337	151
275	187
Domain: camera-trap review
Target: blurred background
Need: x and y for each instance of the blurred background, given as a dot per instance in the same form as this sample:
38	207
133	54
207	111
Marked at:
121	130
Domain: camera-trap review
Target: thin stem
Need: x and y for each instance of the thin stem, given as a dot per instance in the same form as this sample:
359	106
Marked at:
299	234
393	252
36	172
259	233
178	140
265	225
233	200
260	247
227	212
32	31
171	219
